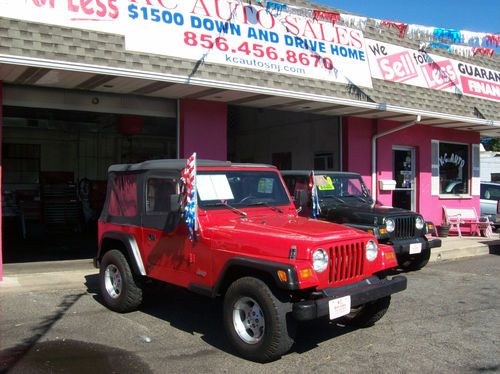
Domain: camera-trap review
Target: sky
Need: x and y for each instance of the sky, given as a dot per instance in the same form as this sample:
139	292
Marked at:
476	16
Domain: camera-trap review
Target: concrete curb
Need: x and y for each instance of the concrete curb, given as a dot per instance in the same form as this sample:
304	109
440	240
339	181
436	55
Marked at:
455	247
46	281
36	276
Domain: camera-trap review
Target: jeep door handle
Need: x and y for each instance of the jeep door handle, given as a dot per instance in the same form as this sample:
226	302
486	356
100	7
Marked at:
151	237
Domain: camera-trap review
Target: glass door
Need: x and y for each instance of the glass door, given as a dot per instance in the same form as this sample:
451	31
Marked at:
403	172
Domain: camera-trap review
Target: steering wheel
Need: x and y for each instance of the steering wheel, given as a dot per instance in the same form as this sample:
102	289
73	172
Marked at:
246	198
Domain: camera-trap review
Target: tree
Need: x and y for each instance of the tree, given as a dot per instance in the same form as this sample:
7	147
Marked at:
491	144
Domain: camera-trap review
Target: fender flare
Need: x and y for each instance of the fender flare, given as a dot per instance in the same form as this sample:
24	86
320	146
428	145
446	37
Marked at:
131	247
268	267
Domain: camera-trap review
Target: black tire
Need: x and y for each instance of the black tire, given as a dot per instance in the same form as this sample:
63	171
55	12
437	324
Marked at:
119	289
366	315
415	262
257	323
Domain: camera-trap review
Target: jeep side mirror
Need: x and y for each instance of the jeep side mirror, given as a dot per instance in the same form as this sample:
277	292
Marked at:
175	203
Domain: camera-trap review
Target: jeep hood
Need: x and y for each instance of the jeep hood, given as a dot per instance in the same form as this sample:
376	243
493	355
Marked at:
361	213
273	235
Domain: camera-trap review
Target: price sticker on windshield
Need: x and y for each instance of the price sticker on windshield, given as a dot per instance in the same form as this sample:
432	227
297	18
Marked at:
265	185
324	183
214	187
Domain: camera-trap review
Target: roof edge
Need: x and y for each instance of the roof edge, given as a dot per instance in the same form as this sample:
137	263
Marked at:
384	107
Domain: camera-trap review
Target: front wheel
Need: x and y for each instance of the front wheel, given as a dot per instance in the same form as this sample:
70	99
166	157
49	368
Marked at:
367	314
416	261
256	321
119	289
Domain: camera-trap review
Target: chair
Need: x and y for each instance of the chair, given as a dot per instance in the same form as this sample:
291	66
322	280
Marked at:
457	218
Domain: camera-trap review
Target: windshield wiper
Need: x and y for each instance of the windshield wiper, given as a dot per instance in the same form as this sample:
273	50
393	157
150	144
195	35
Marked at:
221	203
332	197
362	198
266	204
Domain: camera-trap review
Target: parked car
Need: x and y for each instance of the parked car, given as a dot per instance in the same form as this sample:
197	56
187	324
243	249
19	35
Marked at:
271	267
344	198
490	194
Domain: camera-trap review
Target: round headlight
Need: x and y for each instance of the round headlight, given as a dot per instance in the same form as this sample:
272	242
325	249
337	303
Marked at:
419	223
371	250
390	225
320	260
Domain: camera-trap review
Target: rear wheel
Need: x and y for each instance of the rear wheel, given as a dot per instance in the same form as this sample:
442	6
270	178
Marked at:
256	321
367	314
416	261
119	289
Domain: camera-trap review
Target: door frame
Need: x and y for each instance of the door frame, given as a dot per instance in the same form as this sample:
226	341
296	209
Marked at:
413	188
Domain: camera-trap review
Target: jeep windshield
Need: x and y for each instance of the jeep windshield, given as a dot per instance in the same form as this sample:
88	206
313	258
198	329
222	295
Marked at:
236	189
341	187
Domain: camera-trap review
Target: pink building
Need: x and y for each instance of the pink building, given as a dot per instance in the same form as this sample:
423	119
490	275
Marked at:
276	87
414	188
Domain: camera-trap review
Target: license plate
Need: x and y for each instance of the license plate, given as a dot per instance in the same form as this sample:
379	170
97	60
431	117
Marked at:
339	307
415	248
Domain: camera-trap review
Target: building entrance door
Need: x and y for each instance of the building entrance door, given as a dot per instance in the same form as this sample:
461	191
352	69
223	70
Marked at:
403	172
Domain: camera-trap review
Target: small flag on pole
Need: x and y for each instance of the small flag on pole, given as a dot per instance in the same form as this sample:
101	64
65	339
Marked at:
314	196
190	196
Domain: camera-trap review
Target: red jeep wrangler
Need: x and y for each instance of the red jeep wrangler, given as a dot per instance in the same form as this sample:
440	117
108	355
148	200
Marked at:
272	267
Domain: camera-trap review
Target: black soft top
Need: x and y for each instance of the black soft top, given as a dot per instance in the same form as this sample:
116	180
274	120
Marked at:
320	172
177	164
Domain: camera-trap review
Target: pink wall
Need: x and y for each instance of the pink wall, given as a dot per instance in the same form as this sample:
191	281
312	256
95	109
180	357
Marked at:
203	129
1	189
357	157
357	134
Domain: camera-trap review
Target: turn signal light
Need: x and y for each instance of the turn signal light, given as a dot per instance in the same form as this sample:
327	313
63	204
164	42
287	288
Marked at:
390	256
370	231
305	273
282	276
383	231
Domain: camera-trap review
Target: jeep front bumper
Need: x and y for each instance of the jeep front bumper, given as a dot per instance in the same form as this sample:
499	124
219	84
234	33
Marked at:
370	289
402	247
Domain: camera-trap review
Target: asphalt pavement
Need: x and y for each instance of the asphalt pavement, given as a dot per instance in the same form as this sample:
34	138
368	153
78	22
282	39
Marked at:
53	321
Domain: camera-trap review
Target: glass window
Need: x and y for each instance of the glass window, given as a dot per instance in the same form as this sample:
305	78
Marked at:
340	186
453	168
490	192
323	161
240	188
159	191
123	196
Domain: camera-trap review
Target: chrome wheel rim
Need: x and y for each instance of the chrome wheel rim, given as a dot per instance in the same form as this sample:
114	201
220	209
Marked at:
248	320
113	281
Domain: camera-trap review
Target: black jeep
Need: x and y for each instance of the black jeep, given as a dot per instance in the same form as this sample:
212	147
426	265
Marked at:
344	198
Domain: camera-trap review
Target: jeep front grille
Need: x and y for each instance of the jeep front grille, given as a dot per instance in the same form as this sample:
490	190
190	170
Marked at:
346	261
405	227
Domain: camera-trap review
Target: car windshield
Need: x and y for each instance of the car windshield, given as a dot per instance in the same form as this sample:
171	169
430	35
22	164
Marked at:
335	186
224	189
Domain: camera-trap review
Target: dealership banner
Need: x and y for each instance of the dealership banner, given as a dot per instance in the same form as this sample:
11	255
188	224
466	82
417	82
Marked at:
96	15
397	64
248	36
227	32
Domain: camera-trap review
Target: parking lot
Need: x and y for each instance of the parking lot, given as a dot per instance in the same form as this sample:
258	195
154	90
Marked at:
447	321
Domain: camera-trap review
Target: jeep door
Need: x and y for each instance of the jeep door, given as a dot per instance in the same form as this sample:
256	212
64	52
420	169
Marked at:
164	246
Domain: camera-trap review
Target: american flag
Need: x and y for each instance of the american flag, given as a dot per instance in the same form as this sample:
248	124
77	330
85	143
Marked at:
314	196
190	196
